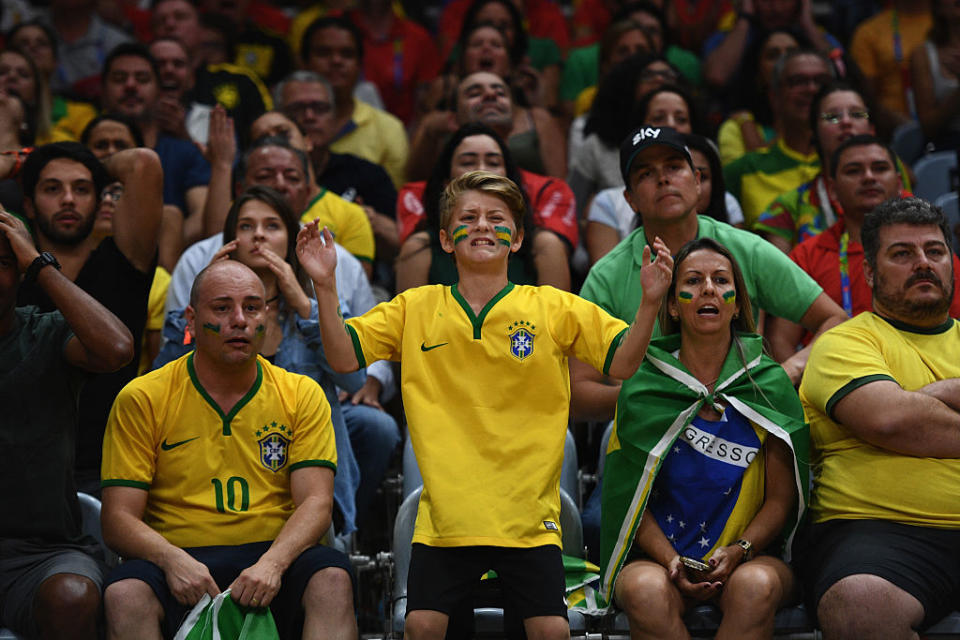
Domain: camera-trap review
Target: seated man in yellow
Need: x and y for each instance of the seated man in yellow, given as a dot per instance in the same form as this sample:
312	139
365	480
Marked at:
218	472
881	558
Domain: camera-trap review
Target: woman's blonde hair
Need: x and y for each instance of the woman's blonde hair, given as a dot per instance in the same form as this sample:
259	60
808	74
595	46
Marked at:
485	182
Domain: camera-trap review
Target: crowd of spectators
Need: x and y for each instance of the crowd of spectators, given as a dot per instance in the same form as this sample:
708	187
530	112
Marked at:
155	154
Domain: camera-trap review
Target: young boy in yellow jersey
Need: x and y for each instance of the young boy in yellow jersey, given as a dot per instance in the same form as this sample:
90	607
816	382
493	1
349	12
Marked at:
486	392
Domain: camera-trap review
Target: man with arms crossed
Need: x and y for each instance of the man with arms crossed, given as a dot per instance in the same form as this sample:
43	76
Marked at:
881	558
218	472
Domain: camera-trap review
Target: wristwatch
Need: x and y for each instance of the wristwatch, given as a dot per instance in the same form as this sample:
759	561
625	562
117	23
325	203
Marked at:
747	547
41	261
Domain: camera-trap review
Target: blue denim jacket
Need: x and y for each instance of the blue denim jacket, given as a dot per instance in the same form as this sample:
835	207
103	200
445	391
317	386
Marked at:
300	351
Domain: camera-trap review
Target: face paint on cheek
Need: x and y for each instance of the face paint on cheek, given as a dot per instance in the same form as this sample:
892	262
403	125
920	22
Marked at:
729	297
460	234
684	297
504	235
260	330
213	329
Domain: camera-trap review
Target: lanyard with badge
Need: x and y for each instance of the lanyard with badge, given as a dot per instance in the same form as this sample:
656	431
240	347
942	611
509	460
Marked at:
845	294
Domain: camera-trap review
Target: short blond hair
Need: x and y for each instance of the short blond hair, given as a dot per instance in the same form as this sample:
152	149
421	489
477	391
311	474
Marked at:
485	182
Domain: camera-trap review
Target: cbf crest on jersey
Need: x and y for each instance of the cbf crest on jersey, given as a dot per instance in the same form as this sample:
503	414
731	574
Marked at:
521	339
274	445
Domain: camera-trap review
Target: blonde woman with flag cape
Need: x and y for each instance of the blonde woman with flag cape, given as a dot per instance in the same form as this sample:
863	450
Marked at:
707	463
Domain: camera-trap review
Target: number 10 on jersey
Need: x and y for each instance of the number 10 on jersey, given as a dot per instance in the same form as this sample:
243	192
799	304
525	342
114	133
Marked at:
234	484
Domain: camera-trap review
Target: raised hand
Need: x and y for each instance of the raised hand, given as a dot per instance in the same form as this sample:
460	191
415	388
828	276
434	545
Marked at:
225	251
19	238
221	139
656	275
287	281
316	254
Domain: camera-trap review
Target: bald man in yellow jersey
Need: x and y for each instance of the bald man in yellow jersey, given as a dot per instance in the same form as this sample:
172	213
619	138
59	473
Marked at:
486	392
218	472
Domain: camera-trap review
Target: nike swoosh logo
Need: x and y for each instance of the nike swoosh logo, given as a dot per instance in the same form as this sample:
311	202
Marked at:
424	347
174	445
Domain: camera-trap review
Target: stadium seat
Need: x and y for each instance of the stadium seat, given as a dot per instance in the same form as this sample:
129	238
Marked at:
950	203
487	620
908	141
412	480
933	174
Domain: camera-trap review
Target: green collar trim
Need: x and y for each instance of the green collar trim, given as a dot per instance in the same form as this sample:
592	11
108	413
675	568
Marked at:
317	198
477	321
903	326
225	418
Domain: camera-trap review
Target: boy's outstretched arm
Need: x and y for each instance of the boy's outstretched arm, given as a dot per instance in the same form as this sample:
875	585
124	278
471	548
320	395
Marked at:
318	257
655	276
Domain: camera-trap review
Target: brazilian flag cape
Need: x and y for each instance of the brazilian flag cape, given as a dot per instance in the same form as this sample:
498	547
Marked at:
654	407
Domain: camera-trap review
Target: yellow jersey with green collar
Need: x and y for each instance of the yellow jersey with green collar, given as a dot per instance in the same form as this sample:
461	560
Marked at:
854	480
216	478
487	400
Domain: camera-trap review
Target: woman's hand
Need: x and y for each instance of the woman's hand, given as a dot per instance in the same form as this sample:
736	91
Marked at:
317	254
701	591
724	560
225	251
287	282
656	275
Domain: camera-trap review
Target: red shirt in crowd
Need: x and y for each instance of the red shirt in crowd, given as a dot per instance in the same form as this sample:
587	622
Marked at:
551	200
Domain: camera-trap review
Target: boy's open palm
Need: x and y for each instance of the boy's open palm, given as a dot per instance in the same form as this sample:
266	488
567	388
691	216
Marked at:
656	274
316	253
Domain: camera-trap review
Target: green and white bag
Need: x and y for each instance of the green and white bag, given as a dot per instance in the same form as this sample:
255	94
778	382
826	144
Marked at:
221	618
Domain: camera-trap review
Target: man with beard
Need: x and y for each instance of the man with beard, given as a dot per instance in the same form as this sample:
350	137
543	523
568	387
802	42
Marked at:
131	87
881	556
62	187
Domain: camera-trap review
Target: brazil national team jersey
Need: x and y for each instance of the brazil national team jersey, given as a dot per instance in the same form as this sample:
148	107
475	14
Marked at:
214	478
487	399
858	481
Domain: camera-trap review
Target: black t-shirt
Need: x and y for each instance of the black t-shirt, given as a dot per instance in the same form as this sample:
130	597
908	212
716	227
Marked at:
234	88
38	432
115	283
361	178
268	55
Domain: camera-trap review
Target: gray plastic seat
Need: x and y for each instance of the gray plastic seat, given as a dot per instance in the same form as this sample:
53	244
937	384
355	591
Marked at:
908	141
487	620
933	174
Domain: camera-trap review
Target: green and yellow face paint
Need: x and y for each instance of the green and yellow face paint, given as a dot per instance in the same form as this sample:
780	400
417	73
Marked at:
460	234
729	297
504	235
684	297
212	329
260	330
